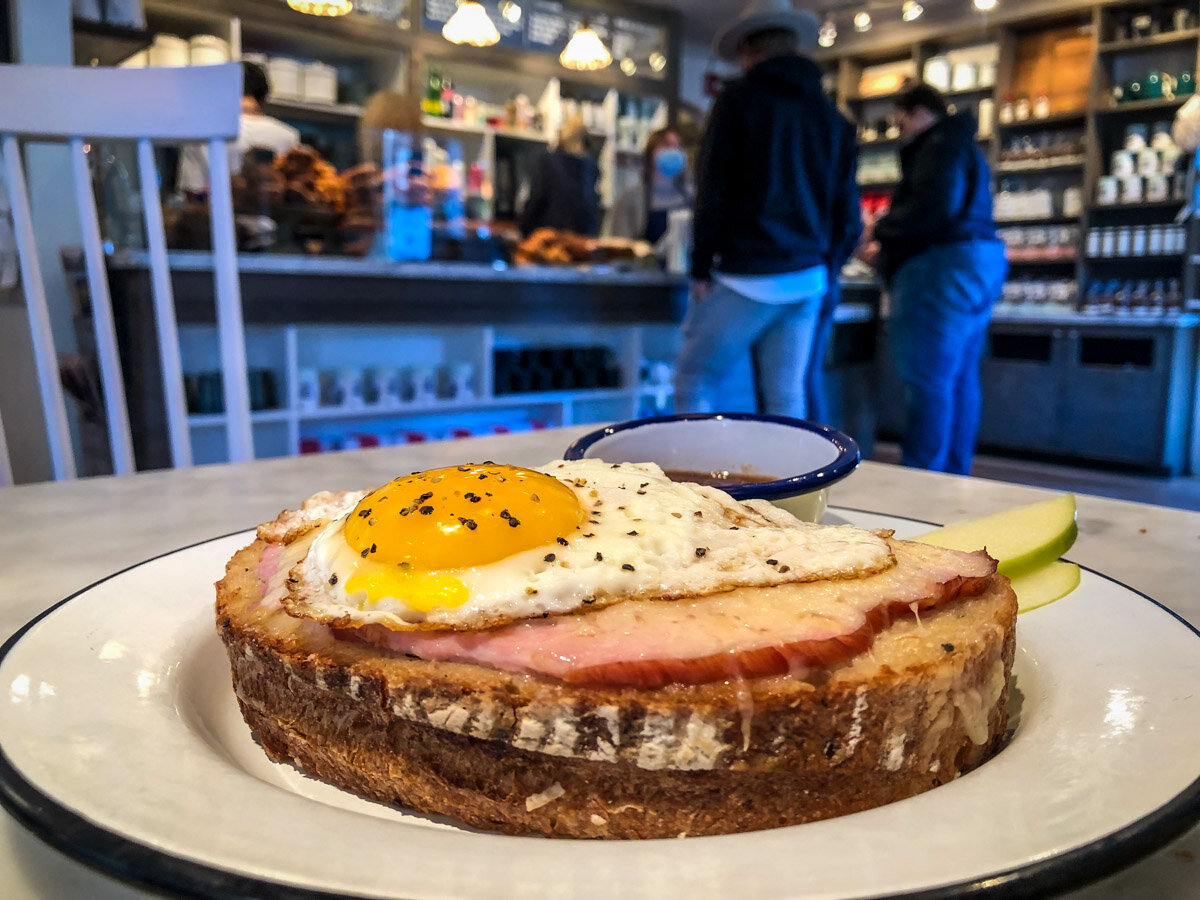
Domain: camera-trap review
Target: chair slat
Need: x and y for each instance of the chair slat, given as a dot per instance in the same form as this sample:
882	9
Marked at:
230	329
58	433
120	440
164	310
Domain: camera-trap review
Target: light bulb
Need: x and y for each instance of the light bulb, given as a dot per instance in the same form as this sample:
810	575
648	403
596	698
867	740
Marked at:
322	7
628	66
658	62
985	5
511	12
911	10
470	24
585	50
862	21
827	33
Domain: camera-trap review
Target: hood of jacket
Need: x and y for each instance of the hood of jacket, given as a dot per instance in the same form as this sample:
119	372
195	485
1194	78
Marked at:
789	74
958	129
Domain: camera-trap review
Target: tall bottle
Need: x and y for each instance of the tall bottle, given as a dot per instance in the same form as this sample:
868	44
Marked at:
431	103
407	221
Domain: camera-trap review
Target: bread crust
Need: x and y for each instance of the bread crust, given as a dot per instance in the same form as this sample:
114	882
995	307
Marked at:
522	754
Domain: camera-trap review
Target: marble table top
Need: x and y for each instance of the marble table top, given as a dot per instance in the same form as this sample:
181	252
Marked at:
56	538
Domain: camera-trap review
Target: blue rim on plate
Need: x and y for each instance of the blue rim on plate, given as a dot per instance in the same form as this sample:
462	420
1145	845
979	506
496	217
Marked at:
846	462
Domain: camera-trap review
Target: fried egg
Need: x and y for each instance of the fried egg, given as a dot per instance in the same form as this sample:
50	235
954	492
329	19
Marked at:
474	546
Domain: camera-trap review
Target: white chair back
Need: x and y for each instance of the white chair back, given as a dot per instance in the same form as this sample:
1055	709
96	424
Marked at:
69	105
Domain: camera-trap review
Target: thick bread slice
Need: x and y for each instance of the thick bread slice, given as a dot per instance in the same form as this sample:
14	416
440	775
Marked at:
516	753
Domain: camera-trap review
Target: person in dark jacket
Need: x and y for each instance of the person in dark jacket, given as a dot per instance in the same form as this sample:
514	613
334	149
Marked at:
776	217
562	188
944	268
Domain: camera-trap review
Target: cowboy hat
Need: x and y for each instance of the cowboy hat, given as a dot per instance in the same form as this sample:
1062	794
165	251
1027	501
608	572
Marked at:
766	15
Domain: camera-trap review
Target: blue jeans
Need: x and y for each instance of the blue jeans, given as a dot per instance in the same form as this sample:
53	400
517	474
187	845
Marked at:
725	334
941	305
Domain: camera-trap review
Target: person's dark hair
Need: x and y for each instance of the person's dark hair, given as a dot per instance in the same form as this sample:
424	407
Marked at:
254	82
772	42
920	95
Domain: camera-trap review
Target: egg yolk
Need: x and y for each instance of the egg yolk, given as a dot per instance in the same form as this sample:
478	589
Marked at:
415	527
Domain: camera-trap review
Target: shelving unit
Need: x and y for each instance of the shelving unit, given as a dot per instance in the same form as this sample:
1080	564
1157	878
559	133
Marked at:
1113	387
327	352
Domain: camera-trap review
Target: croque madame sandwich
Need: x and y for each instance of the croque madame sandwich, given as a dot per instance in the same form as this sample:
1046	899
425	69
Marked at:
593	650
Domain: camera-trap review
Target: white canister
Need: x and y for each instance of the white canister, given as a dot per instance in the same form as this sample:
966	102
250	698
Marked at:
208	50
937	73
1170	158
139	60
320	83
1158	188
1132	189
987	116
308	388
1137	241
259	59
965	77
1124	163
1072	201
1154	240
1148	162
1123	242
350	387
1108	242
168	50
1107	188
284	75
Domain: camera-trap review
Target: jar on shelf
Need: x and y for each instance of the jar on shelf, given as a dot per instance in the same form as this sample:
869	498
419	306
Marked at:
1041	105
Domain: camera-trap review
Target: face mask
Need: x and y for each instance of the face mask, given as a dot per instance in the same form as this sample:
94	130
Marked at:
669	161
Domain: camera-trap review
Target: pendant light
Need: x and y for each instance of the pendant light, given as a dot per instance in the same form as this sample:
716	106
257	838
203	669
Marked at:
862	21
827	34
585	50
911	10
322	7
470	24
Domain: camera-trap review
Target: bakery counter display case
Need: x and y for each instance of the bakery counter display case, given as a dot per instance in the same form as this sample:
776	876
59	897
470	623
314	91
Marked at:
364	352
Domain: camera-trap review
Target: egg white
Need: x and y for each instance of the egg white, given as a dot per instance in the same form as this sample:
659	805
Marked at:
645	537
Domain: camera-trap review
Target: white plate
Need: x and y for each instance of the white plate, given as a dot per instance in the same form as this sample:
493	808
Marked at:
122	745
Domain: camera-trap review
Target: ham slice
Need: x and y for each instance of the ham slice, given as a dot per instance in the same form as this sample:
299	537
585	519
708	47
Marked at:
748	632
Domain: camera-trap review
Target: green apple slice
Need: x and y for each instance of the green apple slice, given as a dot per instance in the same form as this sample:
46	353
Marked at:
1021	539
1045	585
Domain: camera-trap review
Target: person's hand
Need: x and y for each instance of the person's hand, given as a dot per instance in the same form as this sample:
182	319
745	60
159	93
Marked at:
701	290
868	252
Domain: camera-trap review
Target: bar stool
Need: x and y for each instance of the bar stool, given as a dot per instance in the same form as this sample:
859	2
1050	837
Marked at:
67	105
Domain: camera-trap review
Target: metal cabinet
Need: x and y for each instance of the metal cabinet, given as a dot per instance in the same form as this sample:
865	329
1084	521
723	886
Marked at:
1112	391
1106	391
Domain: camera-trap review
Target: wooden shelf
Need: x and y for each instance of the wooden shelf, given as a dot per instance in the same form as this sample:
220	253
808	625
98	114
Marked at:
969	92
314	112
1018	167
1155	42
1046	220
1125	207
107	44
1077	117
434	123
1133	107
1045	261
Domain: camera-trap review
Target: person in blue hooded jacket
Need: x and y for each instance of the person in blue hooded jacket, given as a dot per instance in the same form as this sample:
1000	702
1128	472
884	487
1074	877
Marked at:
944	267
776	217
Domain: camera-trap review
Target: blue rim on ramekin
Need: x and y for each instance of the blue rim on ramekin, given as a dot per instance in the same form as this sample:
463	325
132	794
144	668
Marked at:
846	462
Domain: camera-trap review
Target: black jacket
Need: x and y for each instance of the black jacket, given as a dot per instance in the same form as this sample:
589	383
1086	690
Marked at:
562	195
944	196
776	187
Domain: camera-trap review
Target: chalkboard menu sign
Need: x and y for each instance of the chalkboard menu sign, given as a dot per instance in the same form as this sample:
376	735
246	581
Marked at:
545	26
512	34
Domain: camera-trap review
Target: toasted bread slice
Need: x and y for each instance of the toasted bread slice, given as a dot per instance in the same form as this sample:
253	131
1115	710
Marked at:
521	753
